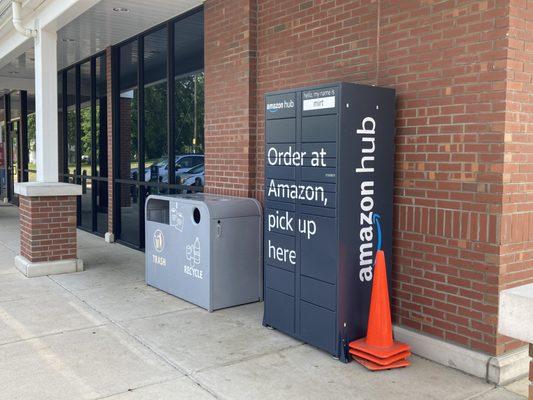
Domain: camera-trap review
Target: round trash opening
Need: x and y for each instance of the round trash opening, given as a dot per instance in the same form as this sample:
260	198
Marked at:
196	215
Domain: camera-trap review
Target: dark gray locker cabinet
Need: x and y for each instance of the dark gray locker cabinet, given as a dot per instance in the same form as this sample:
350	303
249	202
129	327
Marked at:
329	159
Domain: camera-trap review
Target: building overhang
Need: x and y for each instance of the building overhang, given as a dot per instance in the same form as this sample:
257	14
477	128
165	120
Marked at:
84	27
50	14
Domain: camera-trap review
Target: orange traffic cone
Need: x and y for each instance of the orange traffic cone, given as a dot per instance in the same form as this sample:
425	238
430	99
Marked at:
378	350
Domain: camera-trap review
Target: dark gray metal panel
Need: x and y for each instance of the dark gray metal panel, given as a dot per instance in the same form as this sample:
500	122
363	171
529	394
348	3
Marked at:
280	205
279	279
280	172
319	293
280	130
318	254
321	128
323	211
279	310
318	327
315	174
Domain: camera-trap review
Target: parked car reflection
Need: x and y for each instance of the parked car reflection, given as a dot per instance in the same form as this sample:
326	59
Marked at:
157	170
193	177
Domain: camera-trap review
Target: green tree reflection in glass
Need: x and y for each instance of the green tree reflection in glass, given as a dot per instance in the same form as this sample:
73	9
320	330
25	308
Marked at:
189	98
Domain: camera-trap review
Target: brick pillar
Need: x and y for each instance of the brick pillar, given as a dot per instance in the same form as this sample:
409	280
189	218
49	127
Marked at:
48	242
124	146
230	106
48	228
516	234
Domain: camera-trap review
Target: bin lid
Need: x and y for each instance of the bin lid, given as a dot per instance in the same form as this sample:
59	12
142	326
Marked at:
219	206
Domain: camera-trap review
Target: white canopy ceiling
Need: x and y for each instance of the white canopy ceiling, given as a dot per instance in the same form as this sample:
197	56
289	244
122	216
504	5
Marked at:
106	23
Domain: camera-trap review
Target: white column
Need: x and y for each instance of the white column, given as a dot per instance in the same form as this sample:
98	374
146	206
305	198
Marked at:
46	135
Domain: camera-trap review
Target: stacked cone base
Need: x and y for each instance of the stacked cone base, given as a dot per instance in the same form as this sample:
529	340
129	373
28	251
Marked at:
377	358
380	361
378	351
376	367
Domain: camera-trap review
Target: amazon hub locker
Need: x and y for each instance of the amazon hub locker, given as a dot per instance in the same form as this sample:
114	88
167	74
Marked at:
329	157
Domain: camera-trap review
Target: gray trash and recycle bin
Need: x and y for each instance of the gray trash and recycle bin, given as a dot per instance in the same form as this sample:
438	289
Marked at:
205	249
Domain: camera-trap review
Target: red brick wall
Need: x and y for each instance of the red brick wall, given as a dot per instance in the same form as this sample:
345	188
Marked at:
230	112
458	185
48	228
447	62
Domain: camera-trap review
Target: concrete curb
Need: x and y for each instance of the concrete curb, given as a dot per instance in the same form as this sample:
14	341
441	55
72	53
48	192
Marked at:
500	370
32	270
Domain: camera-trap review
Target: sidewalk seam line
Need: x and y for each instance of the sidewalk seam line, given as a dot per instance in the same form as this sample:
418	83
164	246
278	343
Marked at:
46	335
478	395
140	341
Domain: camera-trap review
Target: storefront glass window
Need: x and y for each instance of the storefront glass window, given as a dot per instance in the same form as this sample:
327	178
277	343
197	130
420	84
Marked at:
32	172
61	134
189	99
128	144
129	98
71	123
100	185
86	145
155	107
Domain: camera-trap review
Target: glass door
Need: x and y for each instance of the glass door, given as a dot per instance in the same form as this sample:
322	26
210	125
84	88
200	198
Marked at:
83	103
93	145
13	160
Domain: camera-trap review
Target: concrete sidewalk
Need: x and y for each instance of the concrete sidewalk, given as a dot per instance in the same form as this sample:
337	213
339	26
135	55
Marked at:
103	333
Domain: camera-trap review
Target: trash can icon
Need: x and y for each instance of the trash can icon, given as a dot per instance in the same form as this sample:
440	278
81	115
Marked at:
159	240
205	249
